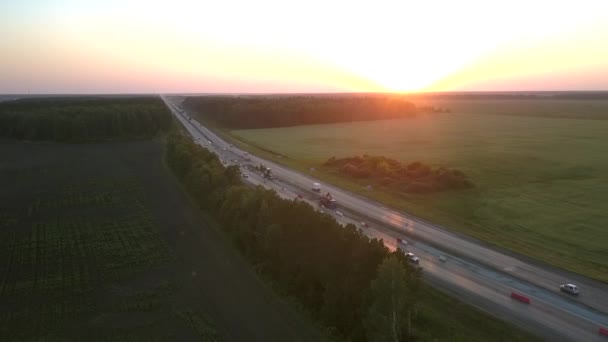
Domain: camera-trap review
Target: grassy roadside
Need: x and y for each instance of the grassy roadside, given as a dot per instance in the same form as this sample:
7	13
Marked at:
440	317
448	319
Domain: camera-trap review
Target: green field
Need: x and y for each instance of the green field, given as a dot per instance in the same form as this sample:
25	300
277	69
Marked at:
541	174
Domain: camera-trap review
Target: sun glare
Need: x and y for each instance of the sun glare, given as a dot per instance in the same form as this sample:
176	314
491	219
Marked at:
316	46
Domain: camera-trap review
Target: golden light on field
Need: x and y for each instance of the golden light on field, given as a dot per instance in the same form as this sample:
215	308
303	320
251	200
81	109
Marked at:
276	46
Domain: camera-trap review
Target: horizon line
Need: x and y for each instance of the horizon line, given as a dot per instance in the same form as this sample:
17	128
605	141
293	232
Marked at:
313	93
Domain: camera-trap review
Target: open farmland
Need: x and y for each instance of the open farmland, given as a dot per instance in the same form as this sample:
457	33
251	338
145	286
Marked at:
98	243
541	183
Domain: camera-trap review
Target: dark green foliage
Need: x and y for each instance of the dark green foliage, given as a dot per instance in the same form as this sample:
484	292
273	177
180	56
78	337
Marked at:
389	314
202	324
415	177
267	111
83	119
75	221
327	267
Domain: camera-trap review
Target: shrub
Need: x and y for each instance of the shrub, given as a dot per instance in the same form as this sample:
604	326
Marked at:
415	177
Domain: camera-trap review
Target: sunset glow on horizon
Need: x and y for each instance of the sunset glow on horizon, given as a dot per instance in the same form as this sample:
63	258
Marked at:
314	46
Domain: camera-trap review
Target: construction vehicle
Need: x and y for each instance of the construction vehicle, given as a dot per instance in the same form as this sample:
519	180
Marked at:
328	201
267	173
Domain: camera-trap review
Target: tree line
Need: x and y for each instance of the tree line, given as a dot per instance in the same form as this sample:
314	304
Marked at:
415	177
246	112
84	119
351	284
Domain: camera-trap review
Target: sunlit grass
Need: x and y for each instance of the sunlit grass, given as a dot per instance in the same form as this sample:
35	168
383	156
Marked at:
541	183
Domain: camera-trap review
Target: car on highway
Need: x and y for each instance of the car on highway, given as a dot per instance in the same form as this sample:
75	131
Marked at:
245	175
412	258
570	289
364	224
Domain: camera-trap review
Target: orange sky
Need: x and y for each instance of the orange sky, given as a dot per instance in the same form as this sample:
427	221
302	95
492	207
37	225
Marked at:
262	46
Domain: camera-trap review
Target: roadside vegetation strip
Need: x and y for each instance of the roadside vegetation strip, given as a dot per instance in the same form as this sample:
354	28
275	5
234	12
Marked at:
309	256
539	185
242	112
83	119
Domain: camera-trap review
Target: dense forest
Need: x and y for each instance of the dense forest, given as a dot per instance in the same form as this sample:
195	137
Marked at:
341	277
83	119
515	95
414	177
245	112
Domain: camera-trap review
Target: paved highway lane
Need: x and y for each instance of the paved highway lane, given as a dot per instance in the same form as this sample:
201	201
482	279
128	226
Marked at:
474	272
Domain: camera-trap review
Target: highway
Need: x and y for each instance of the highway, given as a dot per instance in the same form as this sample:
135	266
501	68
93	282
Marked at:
468	269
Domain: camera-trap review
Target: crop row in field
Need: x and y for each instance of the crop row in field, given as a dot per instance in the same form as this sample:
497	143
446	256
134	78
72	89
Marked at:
66	233
114	251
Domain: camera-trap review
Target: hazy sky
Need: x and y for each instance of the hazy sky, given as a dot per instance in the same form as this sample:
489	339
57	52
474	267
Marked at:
111	46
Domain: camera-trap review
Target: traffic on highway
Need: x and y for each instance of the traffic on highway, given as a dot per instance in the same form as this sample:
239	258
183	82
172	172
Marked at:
552	303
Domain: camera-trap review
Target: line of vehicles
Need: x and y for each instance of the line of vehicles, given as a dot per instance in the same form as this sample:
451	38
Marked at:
327	201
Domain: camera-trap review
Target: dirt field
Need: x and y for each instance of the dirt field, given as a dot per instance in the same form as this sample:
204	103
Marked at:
541	182
97	242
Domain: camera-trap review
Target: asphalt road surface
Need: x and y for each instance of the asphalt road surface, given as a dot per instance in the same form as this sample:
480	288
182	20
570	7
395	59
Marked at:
461	266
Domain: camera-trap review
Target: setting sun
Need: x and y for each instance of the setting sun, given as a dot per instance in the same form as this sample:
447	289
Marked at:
273	46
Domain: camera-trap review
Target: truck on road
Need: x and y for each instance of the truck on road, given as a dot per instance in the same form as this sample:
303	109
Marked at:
328	201
316	187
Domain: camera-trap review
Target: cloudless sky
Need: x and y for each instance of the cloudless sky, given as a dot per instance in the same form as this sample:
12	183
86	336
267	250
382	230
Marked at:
111	46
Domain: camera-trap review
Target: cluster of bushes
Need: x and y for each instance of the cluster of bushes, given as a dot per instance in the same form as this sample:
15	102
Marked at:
246	112
328	268
415	177
82	119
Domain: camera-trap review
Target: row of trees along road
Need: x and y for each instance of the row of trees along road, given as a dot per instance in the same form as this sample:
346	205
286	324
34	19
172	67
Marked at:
245	112
83	119
353	285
